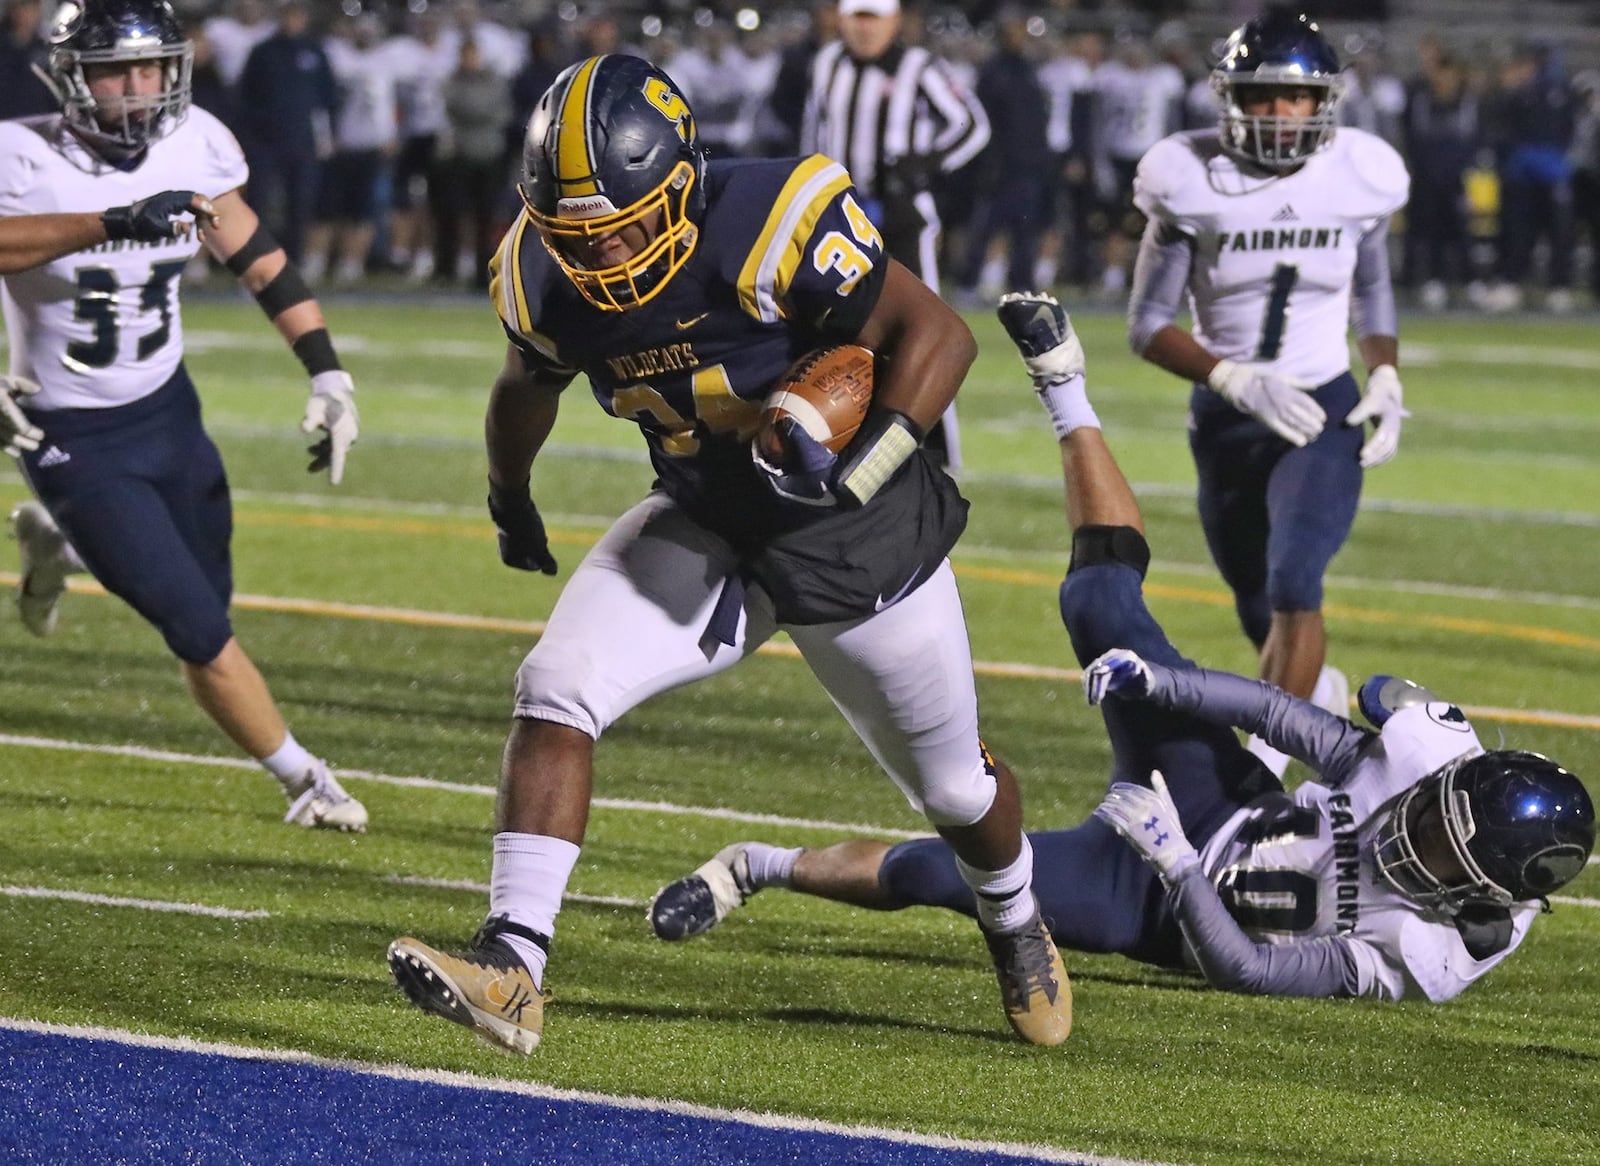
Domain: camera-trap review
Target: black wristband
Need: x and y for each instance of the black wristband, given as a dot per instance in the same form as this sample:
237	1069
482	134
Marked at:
285	290
315	351
259	244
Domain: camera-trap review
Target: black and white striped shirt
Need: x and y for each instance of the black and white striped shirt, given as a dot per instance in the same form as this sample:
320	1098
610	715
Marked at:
904	104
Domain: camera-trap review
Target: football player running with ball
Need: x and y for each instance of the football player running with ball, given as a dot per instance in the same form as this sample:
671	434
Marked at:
682	290
1276	227
99	408
1411	865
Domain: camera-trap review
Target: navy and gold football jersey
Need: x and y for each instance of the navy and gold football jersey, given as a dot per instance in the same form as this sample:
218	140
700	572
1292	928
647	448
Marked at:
786	261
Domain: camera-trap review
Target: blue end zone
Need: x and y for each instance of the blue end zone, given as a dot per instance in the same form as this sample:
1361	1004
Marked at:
78	1099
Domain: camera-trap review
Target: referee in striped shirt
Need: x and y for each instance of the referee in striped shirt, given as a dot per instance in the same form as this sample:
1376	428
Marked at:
892	114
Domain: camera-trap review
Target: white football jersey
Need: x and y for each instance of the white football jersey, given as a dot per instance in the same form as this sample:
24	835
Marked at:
1292	869
1274	256
102	327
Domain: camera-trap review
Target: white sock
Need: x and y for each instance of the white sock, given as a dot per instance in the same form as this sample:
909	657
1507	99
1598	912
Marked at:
1067	402
771	866
1270	757
290	763
1044	273
1005	897
527	882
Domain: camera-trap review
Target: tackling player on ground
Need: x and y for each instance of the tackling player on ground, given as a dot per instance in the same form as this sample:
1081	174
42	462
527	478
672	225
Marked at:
101	411
1275	229
1413	864
682	291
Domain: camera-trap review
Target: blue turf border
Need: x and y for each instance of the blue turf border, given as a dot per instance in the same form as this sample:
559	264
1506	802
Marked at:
80	1099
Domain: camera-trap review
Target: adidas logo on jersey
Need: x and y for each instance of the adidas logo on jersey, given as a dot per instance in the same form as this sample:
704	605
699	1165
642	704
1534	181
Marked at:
54	456
1286	215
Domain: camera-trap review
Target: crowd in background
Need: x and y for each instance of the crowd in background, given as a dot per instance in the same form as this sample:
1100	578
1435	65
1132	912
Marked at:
386	140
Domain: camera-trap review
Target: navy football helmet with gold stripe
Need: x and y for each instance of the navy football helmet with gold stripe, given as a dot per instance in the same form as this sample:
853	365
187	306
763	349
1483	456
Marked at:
614	178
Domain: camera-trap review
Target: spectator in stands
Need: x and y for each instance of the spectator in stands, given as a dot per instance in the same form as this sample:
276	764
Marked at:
544	59
1013	188
1441	137
1586	168
422	59
22	92
1535	118
232	35
471	170
287	98
723	86
786	104
500	50
1138	101
1068	79
366	138
211	91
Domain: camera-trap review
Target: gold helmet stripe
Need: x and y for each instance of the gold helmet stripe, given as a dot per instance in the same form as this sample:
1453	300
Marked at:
574	160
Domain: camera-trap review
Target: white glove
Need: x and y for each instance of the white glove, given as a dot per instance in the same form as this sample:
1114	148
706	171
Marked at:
1381	403
16	431
1118	671
1283	404
332	409
1148	822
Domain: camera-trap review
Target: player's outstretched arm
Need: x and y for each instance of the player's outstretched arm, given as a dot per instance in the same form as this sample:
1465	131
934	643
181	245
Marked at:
259	262
27	241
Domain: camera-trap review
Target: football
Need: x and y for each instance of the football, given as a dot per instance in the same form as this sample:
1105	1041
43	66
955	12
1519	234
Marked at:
826	391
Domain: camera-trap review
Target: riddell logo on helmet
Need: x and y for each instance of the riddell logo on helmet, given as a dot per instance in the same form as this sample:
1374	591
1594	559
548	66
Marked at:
589	207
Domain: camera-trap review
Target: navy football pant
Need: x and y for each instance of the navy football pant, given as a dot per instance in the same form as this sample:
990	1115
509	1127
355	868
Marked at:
1096	893
143	498
1273	515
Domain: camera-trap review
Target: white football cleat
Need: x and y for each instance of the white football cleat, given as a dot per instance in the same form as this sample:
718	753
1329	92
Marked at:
42	549
1039	327
698	902
318	802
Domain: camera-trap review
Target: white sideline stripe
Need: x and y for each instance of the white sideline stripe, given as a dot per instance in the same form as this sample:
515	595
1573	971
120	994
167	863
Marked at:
483	889
461	788
140	904
454	1080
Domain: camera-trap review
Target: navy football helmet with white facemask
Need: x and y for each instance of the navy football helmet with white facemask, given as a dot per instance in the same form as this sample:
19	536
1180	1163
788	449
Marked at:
1275	51
611	151
1511	826
86	35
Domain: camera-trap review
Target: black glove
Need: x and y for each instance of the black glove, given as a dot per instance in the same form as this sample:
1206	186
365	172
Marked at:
150	220
523	543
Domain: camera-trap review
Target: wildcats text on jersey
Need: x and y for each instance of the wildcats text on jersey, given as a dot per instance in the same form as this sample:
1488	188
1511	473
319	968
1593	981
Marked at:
1280	239
635	366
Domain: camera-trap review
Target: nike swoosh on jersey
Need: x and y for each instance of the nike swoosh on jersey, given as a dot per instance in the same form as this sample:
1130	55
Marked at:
685	325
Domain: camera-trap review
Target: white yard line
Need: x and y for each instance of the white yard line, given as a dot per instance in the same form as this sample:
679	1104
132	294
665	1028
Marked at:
138	904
